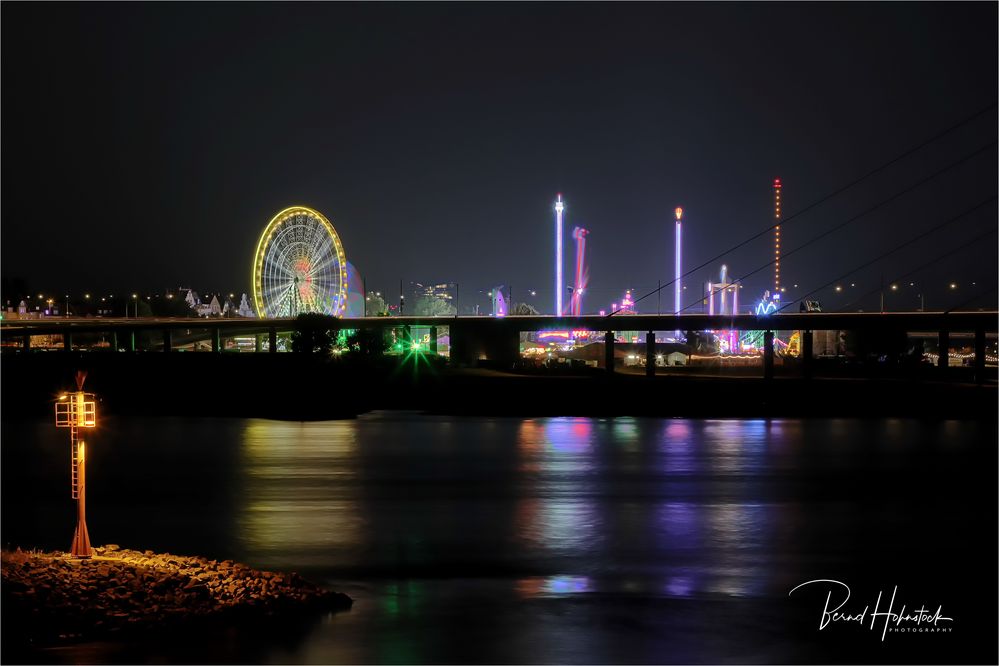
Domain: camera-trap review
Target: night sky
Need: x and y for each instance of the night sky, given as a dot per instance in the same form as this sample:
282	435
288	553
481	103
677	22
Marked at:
146	146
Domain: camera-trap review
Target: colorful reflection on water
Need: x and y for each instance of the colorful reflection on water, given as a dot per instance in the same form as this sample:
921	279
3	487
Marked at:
545	540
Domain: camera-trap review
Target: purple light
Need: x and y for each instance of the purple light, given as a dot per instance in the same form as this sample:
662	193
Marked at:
559	207
579	234
499	303
676	282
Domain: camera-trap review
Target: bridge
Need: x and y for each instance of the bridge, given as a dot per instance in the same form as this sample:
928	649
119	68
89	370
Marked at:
478	338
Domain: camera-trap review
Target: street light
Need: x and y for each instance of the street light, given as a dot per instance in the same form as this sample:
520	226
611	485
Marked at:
135	299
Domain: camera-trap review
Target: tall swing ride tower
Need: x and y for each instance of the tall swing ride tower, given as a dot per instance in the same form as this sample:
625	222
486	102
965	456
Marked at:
559	207
777	217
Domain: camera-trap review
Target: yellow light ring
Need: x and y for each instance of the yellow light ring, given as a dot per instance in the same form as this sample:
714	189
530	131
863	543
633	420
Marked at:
263	243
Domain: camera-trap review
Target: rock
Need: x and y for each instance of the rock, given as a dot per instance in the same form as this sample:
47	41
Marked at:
111	547
59	596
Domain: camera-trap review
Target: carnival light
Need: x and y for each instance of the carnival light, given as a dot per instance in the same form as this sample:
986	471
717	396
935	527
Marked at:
299	266
559	207
765	307
676	277
777	188
724	286
499	302
579	235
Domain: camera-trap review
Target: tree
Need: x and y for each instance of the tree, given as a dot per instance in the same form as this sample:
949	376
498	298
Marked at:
375	306
430	306
366	342
170	307
142	307
13	289
314	334
523	309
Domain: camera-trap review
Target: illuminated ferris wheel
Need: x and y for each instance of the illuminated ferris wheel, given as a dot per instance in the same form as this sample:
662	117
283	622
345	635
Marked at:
299	266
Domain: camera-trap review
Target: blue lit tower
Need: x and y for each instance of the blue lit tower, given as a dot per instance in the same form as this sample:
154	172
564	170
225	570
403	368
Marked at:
559	207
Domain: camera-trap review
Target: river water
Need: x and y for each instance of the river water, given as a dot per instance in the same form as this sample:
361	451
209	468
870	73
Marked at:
544	540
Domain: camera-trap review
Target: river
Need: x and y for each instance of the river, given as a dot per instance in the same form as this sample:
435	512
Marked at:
545	540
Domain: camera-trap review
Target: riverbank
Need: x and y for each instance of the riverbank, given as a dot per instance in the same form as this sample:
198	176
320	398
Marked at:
301	387
51	599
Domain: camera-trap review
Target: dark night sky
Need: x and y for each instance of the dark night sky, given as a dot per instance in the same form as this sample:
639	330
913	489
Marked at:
145	146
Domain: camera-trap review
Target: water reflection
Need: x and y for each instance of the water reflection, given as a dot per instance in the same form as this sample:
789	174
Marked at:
297	489
556	513
559	540
537	586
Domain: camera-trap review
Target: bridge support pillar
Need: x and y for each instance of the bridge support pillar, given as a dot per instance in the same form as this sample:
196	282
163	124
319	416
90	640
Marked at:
609	351
216	339
67	341
979	355
650	354
26	343
806	354
131	340
768	355
272	340
433	340
943	349
167	341
114	340
258	341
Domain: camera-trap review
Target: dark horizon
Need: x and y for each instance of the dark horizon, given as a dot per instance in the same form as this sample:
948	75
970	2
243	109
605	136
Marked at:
147	146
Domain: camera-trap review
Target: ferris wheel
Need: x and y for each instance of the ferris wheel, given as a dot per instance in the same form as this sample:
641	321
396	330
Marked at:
299	266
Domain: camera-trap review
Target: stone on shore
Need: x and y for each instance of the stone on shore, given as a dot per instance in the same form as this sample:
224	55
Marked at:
49	597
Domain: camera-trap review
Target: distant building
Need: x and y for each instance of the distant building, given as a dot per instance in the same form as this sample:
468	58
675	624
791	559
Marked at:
445	291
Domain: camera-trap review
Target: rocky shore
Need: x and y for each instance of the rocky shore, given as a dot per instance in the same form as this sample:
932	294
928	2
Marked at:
49	598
